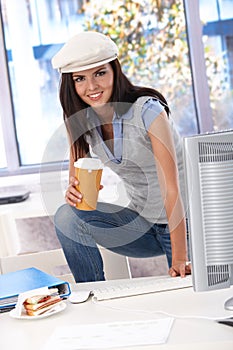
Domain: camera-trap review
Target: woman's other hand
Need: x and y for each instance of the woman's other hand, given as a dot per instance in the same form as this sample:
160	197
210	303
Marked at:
180	269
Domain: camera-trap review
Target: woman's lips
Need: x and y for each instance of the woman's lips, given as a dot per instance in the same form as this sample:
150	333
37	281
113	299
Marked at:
96	96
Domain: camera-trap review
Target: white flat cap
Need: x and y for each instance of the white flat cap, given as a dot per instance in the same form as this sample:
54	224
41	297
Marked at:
84	51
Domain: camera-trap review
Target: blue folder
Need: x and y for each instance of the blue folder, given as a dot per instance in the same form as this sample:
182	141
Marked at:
14	283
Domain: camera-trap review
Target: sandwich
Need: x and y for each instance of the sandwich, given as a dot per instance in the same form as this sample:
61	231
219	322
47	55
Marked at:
40	304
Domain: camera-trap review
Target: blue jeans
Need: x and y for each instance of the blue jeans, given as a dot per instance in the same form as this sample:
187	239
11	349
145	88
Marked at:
118	229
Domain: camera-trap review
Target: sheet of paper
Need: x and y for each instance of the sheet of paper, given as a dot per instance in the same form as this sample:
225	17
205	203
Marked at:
110	335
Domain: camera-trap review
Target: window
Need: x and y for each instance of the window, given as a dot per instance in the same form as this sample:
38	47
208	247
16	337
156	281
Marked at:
157	54
217	18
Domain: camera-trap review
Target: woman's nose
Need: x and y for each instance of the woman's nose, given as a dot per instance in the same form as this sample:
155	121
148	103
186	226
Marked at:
92	83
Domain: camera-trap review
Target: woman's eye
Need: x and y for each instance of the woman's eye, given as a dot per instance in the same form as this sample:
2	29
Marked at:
100	74
78	79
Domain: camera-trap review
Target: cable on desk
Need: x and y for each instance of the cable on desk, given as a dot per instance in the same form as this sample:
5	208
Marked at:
161	312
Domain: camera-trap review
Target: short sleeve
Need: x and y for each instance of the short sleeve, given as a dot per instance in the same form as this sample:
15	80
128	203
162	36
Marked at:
150	111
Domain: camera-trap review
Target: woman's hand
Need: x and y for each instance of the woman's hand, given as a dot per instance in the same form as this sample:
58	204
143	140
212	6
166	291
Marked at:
180	268
72	195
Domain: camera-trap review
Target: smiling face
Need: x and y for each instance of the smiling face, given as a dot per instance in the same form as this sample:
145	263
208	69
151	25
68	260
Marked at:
94	86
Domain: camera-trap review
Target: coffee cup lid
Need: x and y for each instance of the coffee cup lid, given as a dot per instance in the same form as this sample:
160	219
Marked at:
89	163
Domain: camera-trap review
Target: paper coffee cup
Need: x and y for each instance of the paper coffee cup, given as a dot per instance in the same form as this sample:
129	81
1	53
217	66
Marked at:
88	171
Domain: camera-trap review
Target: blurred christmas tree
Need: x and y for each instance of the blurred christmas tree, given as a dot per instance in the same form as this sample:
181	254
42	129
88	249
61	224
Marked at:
151	36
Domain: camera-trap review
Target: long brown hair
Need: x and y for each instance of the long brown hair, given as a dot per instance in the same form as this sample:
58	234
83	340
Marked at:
73	105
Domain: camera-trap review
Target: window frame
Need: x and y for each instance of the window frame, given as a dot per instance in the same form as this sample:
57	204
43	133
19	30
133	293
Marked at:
6	109
198	67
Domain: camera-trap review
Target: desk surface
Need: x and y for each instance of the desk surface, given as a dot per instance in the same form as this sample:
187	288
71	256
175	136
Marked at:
189	330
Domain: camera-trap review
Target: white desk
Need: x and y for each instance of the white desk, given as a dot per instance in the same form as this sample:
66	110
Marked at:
186	333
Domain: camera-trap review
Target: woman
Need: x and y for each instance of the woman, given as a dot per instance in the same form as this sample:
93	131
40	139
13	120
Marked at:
129	128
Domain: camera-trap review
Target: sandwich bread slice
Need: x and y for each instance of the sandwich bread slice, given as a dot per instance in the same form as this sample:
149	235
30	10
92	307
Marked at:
40	304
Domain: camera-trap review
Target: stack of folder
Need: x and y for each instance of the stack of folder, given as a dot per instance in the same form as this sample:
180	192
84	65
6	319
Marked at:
14	283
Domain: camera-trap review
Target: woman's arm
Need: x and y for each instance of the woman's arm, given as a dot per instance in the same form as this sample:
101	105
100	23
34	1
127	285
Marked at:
166	165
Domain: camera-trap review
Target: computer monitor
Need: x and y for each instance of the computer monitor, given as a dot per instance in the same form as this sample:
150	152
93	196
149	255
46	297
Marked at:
208	160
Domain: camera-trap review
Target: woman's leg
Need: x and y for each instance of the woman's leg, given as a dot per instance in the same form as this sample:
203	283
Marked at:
82	254
118	229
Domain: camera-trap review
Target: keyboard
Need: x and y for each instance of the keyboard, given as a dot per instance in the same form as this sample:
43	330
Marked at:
140	285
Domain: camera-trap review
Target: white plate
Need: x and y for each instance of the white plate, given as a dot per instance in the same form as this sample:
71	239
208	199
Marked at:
58	308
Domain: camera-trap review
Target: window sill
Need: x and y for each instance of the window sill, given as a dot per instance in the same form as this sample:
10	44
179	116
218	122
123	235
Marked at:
47	192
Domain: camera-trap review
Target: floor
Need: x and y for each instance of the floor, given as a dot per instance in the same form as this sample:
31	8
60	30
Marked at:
38	234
